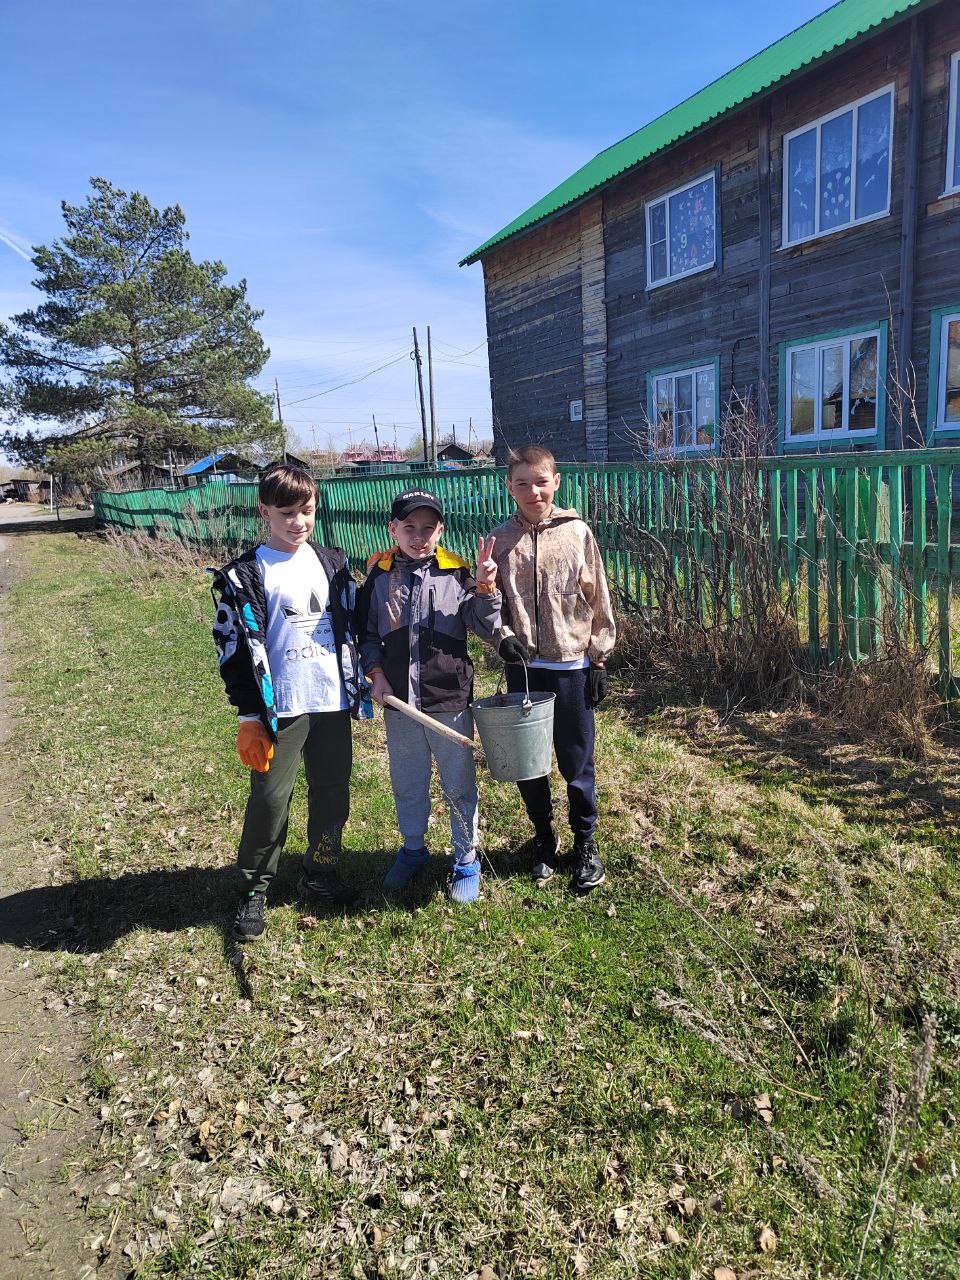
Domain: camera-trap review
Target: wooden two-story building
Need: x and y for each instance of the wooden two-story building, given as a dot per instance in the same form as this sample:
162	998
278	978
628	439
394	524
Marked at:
789	238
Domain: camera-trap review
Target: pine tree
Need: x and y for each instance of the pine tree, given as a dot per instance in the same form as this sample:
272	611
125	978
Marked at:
136	350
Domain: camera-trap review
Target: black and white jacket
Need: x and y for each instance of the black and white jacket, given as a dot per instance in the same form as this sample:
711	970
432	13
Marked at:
239	631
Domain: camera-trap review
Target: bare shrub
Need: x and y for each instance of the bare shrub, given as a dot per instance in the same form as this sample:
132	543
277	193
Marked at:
149	558
890	698
712	619
722	612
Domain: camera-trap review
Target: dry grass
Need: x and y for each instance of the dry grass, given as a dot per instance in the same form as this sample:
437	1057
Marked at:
721	620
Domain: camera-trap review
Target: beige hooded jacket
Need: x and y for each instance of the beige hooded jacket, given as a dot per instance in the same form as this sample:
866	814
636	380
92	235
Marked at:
554	587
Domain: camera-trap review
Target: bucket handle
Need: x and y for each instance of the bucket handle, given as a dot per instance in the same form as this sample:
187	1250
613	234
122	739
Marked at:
526	706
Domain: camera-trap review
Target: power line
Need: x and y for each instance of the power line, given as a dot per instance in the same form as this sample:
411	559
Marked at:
305	383
458	351
353	381
464	364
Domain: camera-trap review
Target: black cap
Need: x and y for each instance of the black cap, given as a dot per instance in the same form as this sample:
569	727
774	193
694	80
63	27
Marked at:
410	499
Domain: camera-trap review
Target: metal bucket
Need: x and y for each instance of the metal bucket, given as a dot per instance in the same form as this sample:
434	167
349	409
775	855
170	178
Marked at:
516	730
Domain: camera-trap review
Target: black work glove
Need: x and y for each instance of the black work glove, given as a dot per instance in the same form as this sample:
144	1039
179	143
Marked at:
511	649
599	685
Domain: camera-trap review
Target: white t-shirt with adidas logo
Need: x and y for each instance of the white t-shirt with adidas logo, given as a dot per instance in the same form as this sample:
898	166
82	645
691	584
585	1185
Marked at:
301	648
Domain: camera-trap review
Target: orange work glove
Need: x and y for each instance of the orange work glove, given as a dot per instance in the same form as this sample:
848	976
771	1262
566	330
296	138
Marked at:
254	746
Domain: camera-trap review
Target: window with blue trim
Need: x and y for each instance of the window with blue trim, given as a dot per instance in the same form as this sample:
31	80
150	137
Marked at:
832	388
684	405
948	391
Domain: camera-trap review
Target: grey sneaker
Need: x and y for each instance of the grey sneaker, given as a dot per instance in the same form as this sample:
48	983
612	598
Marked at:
546	856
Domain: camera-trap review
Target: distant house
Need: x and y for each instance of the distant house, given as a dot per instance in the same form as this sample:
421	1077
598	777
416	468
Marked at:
454	453
365	454
781	237
366	459
138	475
19	490
224	465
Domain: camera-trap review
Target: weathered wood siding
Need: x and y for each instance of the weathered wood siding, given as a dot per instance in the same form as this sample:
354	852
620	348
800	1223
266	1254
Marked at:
535	338
549	343
712	313
938	229
594	319
851	276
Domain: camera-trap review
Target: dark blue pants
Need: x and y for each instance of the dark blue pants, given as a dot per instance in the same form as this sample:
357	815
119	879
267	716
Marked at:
574	731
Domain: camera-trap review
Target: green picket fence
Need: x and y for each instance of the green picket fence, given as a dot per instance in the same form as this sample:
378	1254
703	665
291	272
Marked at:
214	513
856	542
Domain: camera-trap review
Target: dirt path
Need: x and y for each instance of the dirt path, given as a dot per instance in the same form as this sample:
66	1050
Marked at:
44	1115
18	518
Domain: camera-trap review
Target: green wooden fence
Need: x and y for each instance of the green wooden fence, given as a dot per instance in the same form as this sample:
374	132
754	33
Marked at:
855	542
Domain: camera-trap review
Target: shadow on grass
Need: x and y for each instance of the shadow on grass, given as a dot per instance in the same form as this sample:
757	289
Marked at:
86	916
864	783
804	750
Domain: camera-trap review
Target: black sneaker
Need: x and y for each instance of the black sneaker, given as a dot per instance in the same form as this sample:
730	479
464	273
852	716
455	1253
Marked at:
322	881
546	856
587	868
250	920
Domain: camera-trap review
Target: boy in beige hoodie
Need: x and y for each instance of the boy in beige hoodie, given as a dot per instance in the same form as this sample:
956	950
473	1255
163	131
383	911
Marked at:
557	602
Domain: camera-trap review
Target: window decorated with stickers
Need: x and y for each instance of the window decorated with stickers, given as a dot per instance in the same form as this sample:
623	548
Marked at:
948	397
952	183
836	170
683	404
682	232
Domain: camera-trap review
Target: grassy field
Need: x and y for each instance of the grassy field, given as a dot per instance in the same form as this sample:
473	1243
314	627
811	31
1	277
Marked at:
738	1057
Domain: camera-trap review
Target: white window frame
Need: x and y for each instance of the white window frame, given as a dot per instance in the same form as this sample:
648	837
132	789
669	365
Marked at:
941	423
692	370
665	201
818	124
949	186
818	435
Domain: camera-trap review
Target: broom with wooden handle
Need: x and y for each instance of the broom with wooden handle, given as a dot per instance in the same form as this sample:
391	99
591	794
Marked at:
391	700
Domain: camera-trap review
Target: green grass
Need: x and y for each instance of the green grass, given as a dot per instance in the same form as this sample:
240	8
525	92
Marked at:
540	1085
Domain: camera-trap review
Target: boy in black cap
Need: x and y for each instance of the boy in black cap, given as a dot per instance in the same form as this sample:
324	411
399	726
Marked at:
413	614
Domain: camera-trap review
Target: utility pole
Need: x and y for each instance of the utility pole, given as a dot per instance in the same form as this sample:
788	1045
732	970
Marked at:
376	435
283	434
423	407
433	410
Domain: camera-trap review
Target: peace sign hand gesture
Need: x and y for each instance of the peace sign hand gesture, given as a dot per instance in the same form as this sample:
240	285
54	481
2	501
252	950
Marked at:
486	565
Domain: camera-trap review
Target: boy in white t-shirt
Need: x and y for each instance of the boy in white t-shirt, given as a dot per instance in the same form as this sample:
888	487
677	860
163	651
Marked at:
284	631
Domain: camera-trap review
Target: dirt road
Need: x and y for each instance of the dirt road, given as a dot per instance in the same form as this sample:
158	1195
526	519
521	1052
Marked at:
45	1118
27	517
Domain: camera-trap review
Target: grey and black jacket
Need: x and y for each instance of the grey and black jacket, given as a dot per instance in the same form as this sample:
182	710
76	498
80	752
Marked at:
240	625
412	621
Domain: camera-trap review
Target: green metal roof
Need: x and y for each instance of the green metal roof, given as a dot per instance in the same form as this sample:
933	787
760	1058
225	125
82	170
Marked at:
821	36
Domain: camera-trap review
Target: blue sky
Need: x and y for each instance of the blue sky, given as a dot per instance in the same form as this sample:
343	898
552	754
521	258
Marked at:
342	157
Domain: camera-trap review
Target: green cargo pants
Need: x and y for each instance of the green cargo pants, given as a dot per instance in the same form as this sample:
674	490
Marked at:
323	740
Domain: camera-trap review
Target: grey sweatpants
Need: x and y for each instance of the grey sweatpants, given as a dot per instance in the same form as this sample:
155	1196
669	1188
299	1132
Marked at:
410	748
